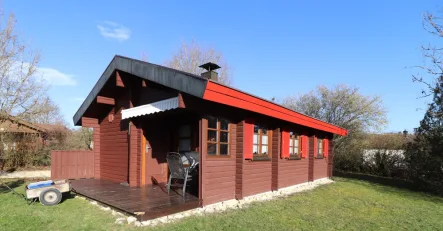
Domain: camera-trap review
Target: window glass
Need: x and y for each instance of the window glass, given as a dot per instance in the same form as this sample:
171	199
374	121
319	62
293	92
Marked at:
255	149
212	122
212	136
260	140
224	137
294	143
212	149
264	140
256	139
223	149
184	145
224	125
264	149
320	148
218	136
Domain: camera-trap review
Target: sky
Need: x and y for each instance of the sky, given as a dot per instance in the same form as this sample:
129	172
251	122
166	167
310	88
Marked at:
276	48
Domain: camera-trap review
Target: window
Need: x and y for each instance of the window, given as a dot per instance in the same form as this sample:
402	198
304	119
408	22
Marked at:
184	138
218	137
260	143
294	145
320	148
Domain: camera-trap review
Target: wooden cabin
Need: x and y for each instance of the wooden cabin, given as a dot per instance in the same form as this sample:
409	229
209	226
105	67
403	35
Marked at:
246	145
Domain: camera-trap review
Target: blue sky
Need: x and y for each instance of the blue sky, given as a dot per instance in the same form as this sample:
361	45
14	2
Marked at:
276	48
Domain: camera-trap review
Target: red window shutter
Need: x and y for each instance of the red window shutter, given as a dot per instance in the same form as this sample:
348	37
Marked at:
304	146
325	147
315	146
285	144
248	134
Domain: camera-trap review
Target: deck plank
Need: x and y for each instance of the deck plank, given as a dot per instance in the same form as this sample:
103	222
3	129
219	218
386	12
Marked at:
153	200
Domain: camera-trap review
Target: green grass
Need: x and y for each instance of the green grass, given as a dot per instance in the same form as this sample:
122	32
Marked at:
344	205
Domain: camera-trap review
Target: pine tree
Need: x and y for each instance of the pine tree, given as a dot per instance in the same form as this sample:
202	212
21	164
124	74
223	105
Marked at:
425	155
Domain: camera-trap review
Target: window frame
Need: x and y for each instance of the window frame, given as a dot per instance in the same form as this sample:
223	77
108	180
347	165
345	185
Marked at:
320	142
293	136
218	143
260	142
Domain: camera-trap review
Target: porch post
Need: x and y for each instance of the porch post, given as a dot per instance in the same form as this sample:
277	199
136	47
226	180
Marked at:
276	153
203	125
311	158
330	157
134	155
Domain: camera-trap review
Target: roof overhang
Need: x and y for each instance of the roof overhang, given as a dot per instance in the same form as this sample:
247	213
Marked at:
222	94
199	87
159	106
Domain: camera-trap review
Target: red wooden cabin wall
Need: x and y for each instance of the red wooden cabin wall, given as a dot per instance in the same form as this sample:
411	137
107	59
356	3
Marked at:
114	148
218	173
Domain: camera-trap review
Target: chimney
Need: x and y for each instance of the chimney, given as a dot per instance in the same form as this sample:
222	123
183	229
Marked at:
210	74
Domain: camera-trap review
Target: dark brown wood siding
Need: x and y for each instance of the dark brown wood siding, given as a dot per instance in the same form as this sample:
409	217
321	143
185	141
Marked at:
276	154
158	140
331	158
218	176
320	168
96	149
239	162
256	177
311	159
134	156
72	164
292	172
114	148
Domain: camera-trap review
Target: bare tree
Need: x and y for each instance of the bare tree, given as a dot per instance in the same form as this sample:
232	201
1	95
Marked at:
433	54
191	55
22	90
346	107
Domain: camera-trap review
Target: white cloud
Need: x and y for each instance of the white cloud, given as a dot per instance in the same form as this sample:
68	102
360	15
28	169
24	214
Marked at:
112	30
55	77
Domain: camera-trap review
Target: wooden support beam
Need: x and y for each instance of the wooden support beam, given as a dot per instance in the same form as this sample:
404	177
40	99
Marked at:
181	102
89	122
105	100
118	80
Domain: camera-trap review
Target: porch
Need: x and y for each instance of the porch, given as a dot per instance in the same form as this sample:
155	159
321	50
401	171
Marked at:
144	203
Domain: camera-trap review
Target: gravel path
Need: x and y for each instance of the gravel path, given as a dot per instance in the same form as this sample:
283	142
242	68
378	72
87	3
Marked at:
27	174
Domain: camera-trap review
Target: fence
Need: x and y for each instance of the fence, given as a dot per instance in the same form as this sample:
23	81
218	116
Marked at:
72	164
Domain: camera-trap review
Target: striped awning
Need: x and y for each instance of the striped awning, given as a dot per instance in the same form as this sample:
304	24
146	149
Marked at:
147	109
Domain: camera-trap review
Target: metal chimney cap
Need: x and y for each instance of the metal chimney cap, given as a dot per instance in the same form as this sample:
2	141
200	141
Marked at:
210	66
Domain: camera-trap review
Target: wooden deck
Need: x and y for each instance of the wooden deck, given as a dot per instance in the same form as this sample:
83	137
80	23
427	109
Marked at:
144	203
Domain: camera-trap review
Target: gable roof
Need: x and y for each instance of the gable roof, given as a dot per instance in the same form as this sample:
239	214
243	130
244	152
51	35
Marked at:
12	124
175	79
202	88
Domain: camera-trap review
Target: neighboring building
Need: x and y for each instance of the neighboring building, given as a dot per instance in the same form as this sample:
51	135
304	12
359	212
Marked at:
247	145
14	131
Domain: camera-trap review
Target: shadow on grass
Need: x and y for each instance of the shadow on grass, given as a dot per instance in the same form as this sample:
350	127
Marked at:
12	184
67	196
394	185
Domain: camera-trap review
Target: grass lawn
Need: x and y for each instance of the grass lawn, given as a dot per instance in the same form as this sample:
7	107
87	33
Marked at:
344	205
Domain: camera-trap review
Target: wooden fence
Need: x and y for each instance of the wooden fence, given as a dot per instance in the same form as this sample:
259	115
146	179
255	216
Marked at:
72	164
